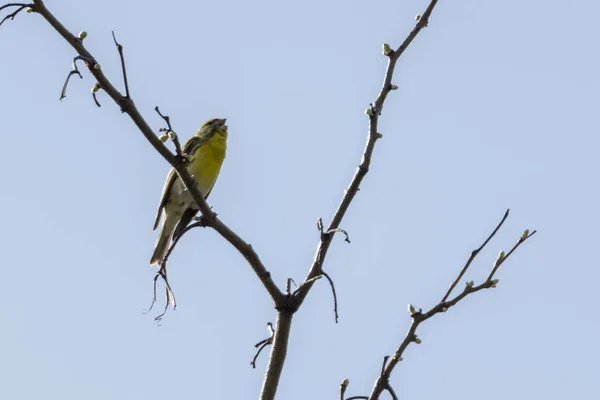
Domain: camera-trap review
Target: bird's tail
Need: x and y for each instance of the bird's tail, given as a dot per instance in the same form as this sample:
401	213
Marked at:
164	240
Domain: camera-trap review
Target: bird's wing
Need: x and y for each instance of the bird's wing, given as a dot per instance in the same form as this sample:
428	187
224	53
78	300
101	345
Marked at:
165	195
184	221
188	148
186	218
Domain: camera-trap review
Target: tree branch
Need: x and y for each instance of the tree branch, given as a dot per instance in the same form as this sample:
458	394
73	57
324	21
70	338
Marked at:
474	254
262	344
374	111
127	106
419	317
278	354
11	16
286	303
122	57
295	301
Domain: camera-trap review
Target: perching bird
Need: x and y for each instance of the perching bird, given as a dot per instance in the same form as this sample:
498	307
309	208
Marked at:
205	152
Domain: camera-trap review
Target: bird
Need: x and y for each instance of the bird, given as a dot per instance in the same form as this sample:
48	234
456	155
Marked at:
205	153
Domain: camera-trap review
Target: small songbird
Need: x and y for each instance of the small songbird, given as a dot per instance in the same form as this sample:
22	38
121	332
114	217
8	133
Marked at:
205	152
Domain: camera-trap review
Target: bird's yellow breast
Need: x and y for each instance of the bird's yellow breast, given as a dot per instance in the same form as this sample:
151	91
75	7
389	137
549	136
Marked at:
205	163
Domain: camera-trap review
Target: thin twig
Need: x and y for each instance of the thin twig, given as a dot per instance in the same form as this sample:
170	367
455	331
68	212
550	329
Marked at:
95	90
120	50
288	286
474	254
253	362
500	262
168	130
331	231
63	92
343	387
339	230
420	317
311	280
335	302
153	297
12	15
262	344
176	239
306	283
384	364
390	389
170	296
74	71
15	5
162	272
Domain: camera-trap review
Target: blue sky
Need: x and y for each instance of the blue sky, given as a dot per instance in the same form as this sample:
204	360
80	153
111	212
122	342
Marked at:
496	108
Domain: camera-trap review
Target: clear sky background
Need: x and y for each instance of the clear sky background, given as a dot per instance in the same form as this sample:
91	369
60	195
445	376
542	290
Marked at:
497	108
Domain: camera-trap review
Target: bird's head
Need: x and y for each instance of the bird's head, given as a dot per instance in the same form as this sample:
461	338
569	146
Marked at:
212	126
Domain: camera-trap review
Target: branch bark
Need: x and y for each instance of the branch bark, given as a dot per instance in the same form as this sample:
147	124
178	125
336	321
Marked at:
278	354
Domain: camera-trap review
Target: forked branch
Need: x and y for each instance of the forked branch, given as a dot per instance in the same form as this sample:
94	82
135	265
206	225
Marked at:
418	316
276	362
19	7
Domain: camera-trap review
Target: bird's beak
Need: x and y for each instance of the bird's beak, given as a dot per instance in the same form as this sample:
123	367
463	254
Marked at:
222	123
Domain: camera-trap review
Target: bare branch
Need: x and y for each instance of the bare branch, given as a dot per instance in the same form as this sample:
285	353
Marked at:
95	90
343	388
63	92
162	272
172	135
391	390
305	283
262	344
11	16
278	354
311	280
335	302
122	57
74	71
288	286
373	112
526	235
339	230
127	106
260	349
169	295
419	317
474	254
384	364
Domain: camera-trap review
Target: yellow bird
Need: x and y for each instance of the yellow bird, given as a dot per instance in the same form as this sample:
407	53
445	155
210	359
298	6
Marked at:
206	152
